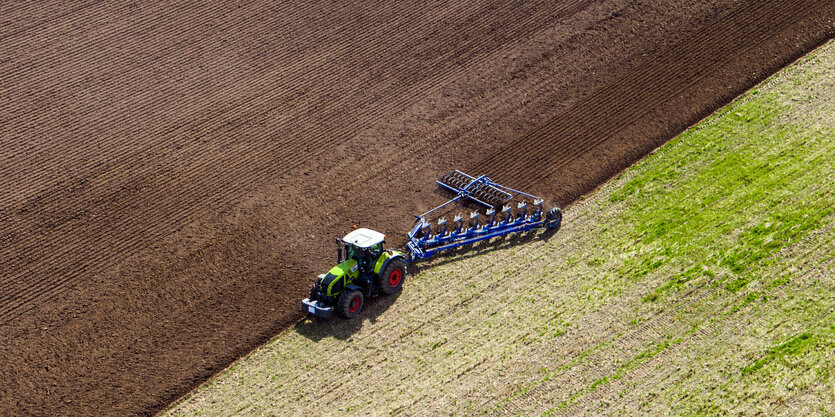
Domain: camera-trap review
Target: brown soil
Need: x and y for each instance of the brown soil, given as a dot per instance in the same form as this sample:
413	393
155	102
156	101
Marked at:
174	172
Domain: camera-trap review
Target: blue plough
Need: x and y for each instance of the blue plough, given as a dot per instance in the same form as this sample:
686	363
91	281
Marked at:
499	219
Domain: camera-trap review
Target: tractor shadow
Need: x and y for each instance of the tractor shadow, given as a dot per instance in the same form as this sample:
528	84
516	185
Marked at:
339	328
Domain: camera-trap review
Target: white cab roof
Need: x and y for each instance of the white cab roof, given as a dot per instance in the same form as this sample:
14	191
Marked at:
364	237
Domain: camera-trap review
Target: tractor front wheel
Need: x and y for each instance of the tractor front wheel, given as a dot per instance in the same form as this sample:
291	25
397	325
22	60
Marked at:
350	304
391	280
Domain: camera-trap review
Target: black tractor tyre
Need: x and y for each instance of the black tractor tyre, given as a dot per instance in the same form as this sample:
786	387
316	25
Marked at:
350	304
314	293
391	280
554	219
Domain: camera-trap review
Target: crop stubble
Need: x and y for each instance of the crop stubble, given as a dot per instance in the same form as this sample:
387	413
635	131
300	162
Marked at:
175	171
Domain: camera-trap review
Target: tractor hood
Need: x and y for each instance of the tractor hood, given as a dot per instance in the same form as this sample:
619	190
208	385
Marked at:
338	277
346	267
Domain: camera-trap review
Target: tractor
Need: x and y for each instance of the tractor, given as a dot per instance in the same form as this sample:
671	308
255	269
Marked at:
367	270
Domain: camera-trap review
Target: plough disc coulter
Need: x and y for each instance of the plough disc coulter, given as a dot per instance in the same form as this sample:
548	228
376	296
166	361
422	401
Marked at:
481	191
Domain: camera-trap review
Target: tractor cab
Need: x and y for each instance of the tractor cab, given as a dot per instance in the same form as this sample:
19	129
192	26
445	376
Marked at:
366	271
364	246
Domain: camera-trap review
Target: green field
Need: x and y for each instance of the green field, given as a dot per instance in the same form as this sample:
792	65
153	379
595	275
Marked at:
700	281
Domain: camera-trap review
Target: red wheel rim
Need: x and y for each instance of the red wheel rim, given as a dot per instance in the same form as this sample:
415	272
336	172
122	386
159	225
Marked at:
395	277
354	305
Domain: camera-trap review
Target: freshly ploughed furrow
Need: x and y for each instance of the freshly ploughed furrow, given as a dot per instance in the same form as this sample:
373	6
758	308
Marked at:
172	170
150	62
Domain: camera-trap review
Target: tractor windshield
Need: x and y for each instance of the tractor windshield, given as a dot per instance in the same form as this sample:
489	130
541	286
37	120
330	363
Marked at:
365	257
352	252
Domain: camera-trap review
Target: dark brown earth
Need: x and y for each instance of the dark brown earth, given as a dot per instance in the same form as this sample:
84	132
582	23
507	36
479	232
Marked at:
174	172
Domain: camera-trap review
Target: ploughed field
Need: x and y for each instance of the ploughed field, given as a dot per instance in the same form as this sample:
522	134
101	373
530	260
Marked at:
174	173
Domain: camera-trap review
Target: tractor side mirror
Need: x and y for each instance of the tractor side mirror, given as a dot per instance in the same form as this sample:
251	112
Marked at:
338	252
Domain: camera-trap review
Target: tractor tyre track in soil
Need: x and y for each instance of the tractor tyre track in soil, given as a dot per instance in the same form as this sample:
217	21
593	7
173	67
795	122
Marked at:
174	172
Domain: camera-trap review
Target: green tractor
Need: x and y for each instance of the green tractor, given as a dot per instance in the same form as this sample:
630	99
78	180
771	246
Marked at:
367	270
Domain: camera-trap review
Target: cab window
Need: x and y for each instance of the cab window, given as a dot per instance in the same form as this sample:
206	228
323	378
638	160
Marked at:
375	250
352	252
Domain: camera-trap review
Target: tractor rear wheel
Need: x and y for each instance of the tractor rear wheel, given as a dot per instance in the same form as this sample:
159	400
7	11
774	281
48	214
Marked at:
391	280
350	304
